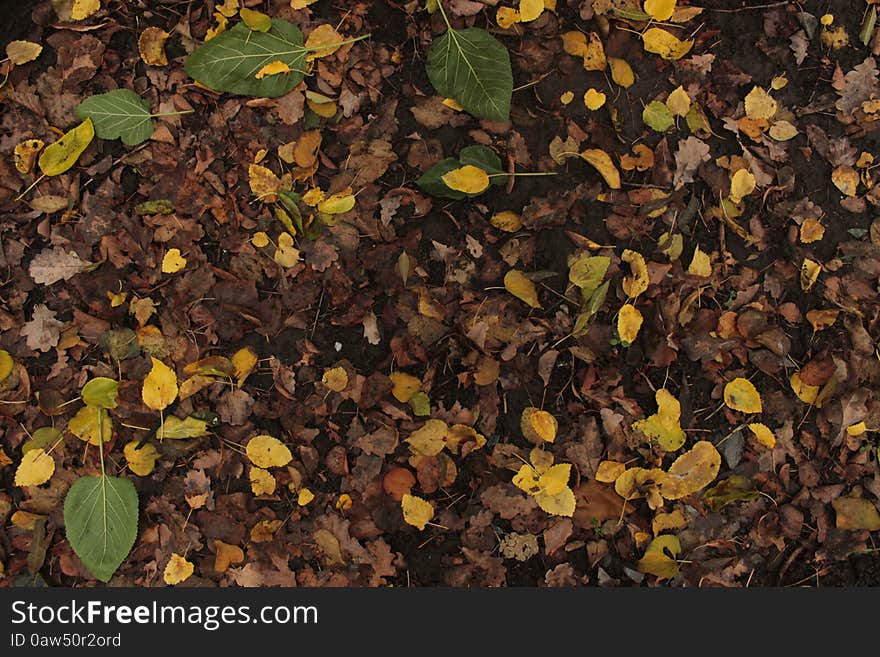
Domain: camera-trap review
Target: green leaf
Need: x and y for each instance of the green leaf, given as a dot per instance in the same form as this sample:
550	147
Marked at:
868	26
597	298
431	183
657	116
101	519
587	272
175	428
230	61
41	438
118	113
486	159
100	392
472	67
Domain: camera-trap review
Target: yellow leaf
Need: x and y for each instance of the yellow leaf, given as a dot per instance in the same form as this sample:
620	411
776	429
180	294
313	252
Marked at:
742	183
822	319
452	104
84	8
91	424
701	264
553	480
634	285
506	17
255	20
177	570
326	110
6	365
678	102
660	10
226	555
262	481
530	10
782	131
263	183
692	471
22	52
763	434
344	503
856	514
173	262
322	42
304	496
811	231
429	439
301	4
609	471
760	104
666	521
526	479
243	362
268	452
36	468
846	179
810	270
594	99
660	42
562	503
629	321
806	393
272	68
636	483
506	220
601	161
335	378
521	286
260	239
538	426
160	386
856	429
26	520
574	43
642	159
656	561
338	203
59	156
264	531
151	46
594	53
468	179
621	72
778	82
405	386
741	395
286	254
228	8
416	511
664	426
25	154
222	22
140	461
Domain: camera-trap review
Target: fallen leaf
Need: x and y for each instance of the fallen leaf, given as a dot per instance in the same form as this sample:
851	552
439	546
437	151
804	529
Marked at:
621	72
664	426
660	10
538	426
660	42
160	386
601	161
268	452
323	41
701	264
637	283
405	386
272	68
692	471
22	52
521	286
43	331
629	321
226	555
262	481
763	434
760	105
856	514
741	395
36	468
659	558
678	102
140	461
468	179
50	266
416	511
263	183
173	262
594	99
151	46
177	570
256	20
82	9
59	156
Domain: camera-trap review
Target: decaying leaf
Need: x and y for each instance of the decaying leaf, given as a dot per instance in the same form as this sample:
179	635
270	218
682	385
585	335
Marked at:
522	287
664	425
692	471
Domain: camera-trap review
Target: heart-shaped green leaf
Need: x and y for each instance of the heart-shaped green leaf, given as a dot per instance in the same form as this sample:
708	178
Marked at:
101	519
118	113
472	67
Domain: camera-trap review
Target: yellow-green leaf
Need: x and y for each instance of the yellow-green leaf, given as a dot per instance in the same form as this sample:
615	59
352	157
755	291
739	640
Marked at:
91	424
255	20
160	386
522	287
59	156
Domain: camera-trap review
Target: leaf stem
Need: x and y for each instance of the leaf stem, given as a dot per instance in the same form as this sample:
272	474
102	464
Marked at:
34	184
533	173
443	14
161	114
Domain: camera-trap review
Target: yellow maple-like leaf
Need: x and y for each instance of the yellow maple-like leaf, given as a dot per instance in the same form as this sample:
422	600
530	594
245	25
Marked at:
22	52
760	104
692	471
601	161
268	452
621	72
846	179
429	439
742	183
151	46
263	183
660	42
522	287
594	99
678	102
82	9
59	156
656	561
36	468
173	262
160	386
637	283
262	481
323	41
226	555
763	434
177	570
562	503
805	392
91	424
335	378
506	17
338	203
664	426
629	321
609	471
741	395
140	461
405	386
255	20
701	264
530	10
660	10
416	511
468	179
286	254
227	8
810	270
538	426
272	68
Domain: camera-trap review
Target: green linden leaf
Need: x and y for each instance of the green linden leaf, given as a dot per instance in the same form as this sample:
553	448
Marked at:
101	519
657	116
472	67
118	113
231	60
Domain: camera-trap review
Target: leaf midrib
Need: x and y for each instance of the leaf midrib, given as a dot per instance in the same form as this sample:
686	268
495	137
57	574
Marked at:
454	37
